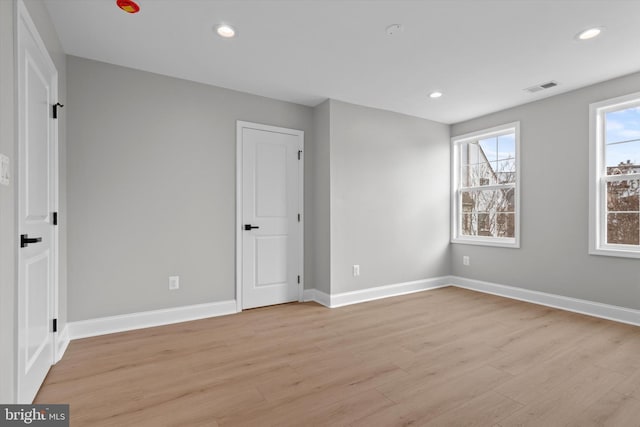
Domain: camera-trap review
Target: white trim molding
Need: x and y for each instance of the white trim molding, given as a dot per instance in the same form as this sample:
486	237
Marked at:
457	187
378	292
590	308
128	322
598	178
320	297
148	319
62	342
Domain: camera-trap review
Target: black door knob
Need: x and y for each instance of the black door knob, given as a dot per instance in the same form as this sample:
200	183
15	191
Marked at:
250	227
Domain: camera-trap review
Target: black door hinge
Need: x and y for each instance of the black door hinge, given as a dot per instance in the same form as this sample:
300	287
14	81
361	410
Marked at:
55	109
55	218
55	325
298	279
298	217
299	154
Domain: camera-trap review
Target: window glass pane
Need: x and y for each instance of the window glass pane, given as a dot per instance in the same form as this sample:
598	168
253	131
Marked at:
622	125
469	154
623	158
465	175
486	173
468	224
499	200
505	225
485	201
479	175
468	201
488	213
506	171
506	200
486	224
623	196
623	228
489	149
507	146
478	224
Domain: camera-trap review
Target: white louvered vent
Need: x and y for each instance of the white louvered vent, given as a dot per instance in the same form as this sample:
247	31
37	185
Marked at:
543	86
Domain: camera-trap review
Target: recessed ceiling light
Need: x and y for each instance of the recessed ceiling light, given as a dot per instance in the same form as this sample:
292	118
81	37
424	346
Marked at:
128	6
589	33
435	94
226	31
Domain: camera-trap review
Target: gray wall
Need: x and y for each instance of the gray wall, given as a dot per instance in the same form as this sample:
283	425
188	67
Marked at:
151	170
389	197
320	238
8	231
8	146
554	192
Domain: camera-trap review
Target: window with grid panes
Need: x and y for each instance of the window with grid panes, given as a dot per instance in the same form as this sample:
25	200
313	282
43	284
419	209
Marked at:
615	177
485	193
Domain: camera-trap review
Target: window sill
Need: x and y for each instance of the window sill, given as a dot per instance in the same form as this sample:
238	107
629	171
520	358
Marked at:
483	241
616	252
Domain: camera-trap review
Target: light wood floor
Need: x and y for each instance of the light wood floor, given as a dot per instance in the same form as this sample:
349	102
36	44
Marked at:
447	357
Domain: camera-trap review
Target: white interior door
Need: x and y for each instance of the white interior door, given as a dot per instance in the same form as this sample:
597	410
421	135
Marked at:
271	215
37	194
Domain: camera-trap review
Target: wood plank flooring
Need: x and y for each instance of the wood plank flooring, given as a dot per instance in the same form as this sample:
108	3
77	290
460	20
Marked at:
447	357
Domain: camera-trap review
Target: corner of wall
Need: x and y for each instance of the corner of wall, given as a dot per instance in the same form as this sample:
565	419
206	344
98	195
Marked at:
7	207
321	195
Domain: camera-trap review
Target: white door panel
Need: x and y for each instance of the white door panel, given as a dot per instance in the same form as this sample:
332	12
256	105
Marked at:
270	177
270	256
37	200
270	260
36	288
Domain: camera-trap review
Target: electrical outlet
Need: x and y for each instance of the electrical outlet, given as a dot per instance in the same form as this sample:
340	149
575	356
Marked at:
356	270
174	283
465	260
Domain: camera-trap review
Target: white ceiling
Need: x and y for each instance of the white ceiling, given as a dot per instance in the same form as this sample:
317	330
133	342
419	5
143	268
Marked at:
480	53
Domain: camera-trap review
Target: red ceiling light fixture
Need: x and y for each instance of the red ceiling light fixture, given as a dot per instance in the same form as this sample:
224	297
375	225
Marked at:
128	6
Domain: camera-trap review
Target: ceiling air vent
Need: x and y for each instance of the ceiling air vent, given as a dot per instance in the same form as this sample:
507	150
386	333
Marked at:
543	86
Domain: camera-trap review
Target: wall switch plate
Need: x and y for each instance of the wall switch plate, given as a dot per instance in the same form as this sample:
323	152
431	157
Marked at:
5	175
465	260
174	283
356	270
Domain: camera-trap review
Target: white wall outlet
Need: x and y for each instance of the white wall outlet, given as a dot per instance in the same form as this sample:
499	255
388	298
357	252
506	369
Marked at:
174	283
356	270
5	174
465	260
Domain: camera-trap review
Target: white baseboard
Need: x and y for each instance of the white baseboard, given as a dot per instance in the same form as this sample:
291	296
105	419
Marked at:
147	319
127	322
590	308
320	297
62	342
370	294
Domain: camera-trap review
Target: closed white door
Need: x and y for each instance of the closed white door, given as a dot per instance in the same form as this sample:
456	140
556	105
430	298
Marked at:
37	188
270	224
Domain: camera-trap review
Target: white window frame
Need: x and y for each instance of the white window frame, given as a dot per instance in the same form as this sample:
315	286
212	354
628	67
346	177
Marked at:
598	178
456	142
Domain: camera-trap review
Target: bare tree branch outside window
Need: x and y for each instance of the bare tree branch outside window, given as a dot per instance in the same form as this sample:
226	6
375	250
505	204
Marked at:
488	176
622	180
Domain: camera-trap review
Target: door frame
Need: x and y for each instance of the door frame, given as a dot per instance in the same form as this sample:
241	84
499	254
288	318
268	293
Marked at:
239	170
22	16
